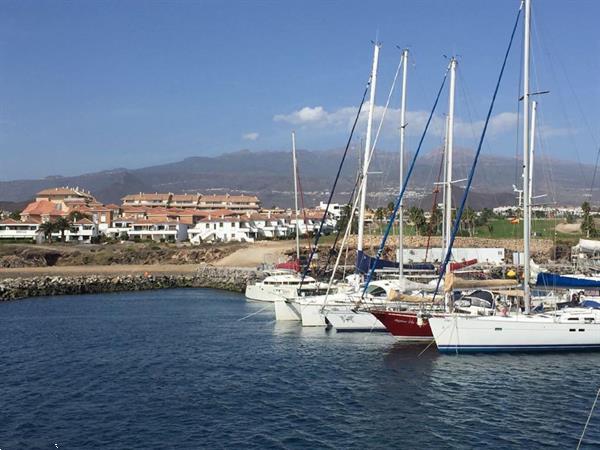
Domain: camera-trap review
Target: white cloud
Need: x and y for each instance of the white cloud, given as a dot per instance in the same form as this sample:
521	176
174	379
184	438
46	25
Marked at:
341	119
303	116
253	136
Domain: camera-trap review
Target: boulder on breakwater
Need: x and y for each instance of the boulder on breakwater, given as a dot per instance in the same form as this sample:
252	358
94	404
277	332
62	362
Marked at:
230	279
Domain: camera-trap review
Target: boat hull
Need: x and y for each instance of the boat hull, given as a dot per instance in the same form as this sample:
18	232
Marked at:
456	334
285	311
348	320
405	325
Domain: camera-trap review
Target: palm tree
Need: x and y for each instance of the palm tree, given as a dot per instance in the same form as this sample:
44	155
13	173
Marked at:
62	224
417	217
47	228
74	216
468	219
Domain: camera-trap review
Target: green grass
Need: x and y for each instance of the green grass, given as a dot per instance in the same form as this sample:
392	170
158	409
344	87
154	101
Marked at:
498	229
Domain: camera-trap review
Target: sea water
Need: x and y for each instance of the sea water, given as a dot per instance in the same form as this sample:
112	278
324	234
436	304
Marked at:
205	369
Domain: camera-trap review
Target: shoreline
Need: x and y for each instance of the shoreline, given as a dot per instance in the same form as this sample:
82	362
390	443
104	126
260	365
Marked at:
69	280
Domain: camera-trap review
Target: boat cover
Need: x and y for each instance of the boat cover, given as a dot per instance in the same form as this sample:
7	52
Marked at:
590	304
462	264
589	245
291	265
556	280
364	263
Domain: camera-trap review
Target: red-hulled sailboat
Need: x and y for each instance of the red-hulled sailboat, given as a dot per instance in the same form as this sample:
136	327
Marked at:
405	325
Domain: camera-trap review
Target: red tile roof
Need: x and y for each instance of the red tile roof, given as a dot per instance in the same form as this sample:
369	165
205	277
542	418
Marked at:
229	198
44	208
64	191
84	221
143	196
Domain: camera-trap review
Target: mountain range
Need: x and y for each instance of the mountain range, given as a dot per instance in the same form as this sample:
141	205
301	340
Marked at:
269	175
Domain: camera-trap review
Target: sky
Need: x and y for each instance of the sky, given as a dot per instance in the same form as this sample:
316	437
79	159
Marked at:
96	85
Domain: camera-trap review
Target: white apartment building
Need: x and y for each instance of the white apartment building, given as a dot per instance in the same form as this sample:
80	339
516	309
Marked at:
158	230
16	230
81	231
223	229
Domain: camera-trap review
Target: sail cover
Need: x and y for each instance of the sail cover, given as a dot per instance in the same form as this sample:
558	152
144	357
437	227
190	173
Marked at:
556	280
364	263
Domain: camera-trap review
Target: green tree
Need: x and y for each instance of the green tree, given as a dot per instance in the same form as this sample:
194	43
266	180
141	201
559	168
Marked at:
379	214
62	224
74	216
468	219
343	222
484	217
417	217
47	228
587	223
15	215
435	221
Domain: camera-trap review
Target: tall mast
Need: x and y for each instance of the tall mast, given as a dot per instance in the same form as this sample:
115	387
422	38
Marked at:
448	159
402	136
367	151
295	165
443	184
448	156
531	157
526	161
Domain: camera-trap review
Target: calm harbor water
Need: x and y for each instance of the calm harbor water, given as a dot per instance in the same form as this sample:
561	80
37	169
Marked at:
178	369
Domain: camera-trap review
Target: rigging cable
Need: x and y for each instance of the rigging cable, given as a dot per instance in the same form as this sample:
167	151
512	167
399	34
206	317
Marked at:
472	172
588	419
594	177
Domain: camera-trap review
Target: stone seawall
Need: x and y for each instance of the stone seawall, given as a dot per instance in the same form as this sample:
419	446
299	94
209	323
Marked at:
230	279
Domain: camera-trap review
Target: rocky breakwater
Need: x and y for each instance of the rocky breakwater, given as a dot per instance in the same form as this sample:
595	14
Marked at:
230	279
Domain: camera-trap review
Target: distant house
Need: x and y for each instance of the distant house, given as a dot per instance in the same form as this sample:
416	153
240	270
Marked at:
158	230
184	200
119	228
222	229
82	231
65	194
144	199
18	230
233	202
44	211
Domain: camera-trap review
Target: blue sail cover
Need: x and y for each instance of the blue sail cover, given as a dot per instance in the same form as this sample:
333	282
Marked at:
364	263
556	280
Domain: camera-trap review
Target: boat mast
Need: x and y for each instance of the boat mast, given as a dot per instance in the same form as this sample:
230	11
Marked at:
531	156
295	165
526	162
367	151
402	136
449	149
445	238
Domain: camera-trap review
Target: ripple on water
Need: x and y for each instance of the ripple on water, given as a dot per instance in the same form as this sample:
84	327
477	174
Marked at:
179	369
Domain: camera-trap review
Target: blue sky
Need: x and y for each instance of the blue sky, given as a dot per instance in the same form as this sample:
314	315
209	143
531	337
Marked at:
93	85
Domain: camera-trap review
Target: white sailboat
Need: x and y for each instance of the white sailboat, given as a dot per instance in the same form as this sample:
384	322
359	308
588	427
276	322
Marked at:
286	284
349	318
310	310
568	329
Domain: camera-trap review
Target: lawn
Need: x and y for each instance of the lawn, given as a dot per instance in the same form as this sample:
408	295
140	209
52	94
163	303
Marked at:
497	229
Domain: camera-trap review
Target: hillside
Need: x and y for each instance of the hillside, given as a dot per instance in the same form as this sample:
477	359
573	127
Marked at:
268	174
